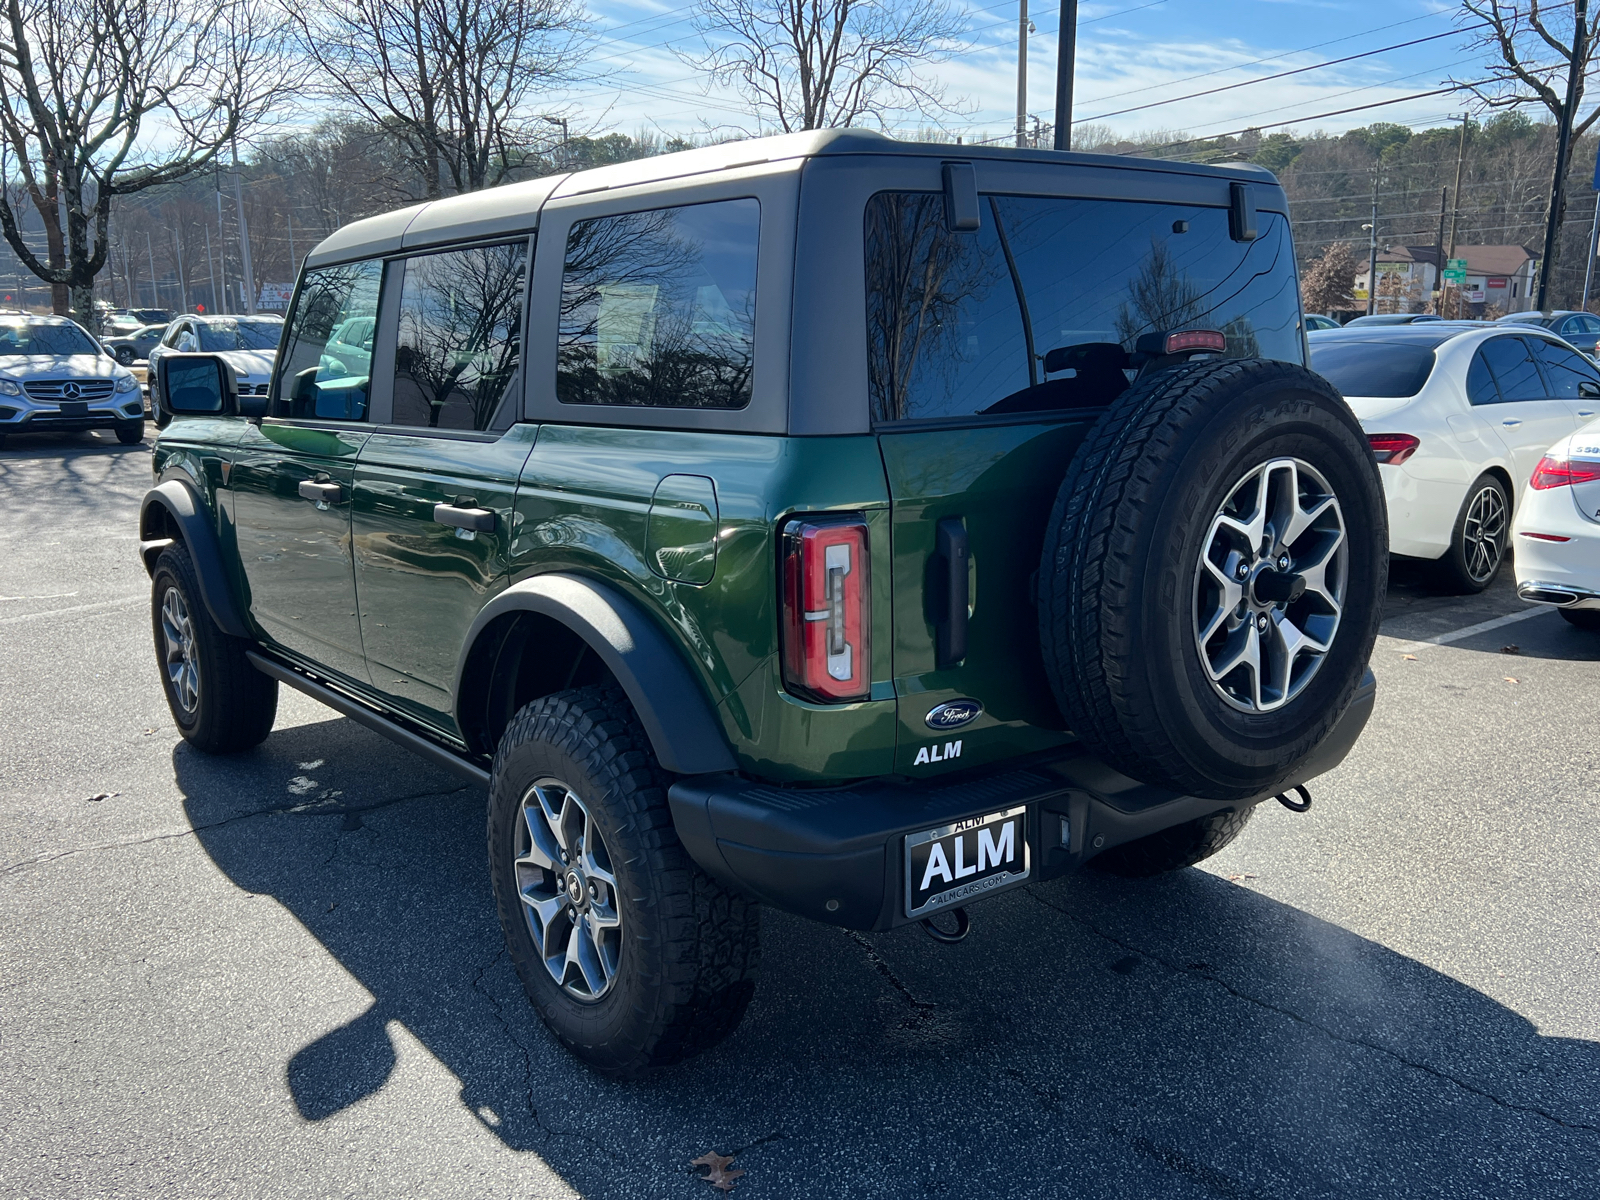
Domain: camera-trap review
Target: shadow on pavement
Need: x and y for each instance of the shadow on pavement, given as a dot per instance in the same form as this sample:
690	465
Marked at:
1178	1037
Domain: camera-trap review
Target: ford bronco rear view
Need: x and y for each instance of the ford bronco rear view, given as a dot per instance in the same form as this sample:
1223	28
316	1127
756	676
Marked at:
855	527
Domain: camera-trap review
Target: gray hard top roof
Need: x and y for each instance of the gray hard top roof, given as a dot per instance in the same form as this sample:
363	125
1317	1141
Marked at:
514	207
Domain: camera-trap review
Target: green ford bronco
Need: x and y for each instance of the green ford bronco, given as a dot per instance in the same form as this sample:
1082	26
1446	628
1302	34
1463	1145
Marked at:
856	527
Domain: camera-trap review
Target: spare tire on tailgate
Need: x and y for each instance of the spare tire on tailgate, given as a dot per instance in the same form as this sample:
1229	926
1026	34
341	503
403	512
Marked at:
1213	576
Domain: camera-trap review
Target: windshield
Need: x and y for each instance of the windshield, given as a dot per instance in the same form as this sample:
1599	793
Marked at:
240	335
23	339
1387	370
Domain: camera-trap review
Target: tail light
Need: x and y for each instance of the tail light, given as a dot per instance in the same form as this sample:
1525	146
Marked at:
1196	339
1393	448
1562	472
826	602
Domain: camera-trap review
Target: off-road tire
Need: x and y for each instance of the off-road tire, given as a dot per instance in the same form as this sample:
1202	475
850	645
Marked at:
690	947
1175	848
1116	576
237	704
130	433
1451	574
1581	618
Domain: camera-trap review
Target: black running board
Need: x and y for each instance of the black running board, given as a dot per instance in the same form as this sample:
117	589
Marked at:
440	756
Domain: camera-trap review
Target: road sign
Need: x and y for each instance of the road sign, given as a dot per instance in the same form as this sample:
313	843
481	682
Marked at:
1456	264
1454	276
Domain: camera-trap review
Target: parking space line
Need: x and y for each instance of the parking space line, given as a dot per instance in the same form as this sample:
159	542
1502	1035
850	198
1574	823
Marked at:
1455	635
98	606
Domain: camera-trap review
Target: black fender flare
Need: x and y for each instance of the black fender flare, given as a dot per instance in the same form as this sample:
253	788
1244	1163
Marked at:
672	707
185	510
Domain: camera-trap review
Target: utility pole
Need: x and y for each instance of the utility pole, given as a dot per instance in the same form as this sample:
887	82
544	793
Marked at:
1372	250
1558	184
150	256
1066	60
183	275
244	237
211	268
222	251
293	270
1022	74
1438	252
1594	236
1455	209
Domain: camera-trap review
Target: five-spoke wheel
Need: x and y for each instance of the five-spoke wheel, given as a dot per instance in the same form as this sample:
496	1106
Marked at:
1269	586
179	659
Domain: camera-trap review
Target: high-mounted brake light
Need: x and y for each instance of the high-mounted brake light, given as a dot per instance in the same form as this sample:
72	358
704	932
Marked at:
826	608
1562	472
1392	448
1196	339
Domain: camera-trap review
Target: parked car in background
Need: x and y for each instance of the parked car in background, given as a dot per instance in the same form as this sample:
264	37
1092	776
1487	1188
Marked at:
1581	329
136	346
1318	321
1558	530
150	316
1390	319
1458	415
53	375
247	343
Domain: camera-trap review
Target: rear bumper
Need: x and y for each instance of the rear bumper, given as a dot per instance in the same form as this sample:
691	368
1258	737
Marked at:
835	854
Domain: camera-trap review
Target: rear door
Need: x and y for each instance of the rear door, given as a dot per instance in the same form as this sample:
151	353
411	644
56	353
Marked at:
436	481
1524	413
976	433
1565	373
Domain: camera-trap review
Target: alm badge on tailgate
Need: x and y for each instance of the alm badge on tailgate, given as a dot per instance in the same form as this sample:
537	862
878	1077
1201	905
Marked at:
964	860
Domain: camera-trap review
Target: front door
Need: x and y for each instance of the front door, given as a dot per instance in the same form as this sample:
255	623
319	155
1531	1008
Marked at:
435	485
293	476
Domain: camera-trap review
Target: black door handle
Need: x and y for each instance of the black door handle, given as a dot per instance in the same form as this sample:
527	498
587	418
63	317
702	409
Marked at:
479	520
951	554
322	493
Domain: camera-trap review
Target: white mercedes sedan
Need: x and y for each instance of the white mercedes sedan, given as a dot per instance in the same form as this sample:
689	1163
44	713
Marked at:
1558	530
1459	415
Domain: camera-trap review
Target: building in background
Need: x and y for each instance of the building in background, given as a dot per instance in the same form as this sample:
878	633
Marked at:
1500	276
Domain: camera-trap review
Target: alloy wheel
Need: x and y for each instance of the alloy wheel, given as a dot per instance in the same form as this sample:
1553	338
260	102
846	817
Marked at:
569	890
1483	534
181	661
1269	587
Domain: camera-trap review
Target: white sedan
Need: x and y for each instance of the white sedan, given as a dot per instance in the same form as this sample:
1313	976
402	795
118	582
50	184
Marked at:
1558	530
1459	415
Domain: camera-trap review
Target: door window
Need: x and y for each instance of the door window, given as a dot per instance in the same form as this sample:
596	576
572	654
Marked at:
458	355
658	308
1043	307
1481	387
1564	368
1514	369
319	375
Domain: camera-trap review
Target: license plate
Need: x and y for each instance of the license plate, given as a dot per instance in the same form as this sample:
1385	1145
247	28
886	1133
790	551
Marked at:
961	861
74	408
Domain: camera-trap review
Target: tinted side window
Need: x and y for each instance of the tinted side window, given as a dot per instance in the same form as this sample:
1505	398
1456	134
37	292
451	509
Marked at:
1514	369
1564	368
1590	324
458	354
658	308
1480	382
946	329
318	377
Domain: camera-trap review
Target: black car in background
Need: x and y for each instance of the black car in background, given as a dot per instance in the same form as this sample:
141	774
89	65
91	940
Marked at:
1580	329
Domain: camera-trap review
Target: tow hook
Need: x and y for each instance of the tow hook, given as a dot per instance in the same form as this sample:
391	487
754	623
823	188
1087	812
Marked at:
949	938
1301	805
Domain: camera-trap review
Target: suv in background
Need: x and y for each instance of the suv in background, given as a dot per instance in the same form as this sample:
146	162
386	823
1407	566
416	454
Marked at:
55	376
1579	329
246	343
856	527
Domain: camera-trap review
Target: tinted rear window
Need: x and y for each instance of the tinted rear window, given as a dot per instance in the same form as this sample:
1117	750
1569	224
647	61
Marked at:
1378	369
945	311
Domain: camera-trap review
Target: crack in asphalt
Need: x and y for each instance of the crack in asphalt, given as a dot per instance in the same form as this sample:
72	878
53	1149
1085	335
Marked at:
922	1011
1362	1043
298	808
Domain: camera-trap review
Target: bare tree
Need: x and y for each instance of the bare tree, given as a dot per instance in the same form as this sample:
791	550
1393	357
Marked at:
105	98
821	64
452	81
1543	58
1327	280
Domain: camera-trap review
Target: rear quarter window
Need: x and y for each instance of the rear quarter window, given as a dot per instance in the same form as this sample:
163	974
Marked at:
961	324
1386	370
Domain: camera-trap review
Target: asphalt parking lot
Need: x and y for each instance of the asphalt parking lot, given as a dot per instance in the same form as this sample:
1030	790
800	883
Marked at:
280	975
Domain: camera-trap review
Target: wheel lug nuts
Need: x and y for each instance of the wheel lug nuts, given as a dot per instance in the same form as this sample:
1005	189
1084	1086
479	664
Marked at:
1283	562
1242	570
1261	623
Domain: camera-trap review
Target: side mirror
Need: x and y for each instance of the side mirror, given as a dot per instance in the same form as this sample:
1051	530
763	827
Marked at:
199	384
1589	389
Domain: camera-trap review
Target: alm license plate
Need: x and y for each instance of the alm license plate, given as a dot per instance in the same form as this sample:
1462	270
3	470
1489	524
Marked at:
964	860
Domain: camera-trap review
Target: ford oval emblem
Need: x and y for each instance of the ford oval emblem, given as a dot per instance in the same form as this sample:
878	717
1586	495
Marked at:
953	714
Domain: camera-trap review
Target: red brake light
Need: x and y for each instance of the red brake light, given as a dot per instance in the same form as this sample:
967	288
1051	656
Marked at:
1196	339
826	609
1562	472
1393	448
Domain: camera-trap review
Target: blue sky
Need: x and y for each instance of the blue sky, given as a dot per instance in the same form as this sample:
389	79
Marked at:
1131	52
